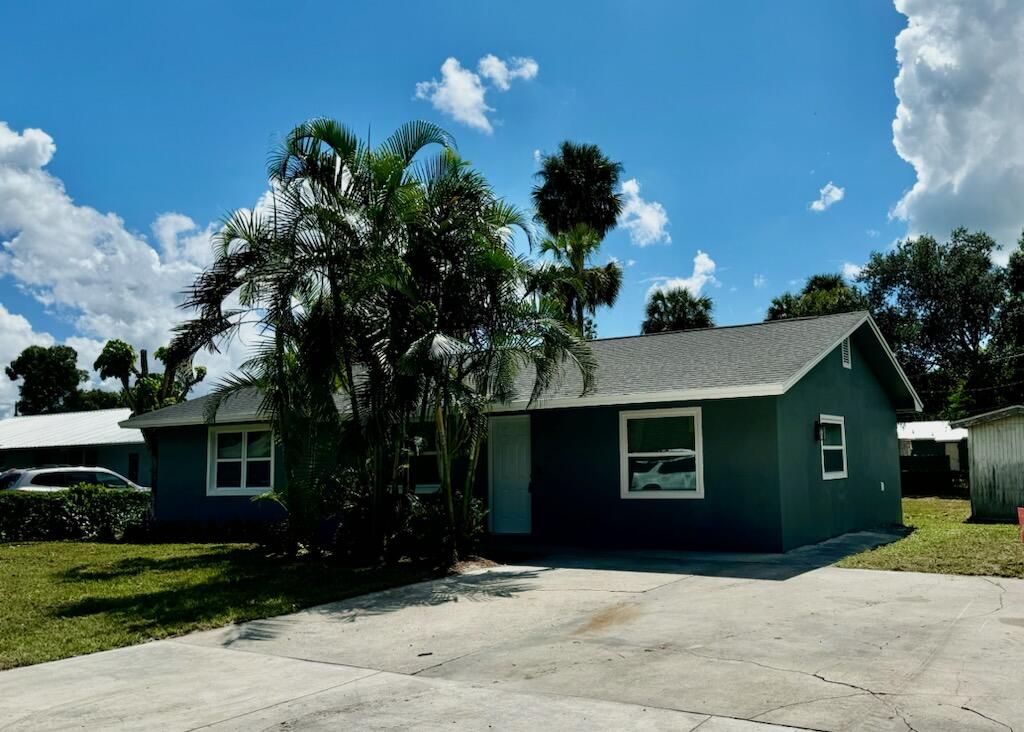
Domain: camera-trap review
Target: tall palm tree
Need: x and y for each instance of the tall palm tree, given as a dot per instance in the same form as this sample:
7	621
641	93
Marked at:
677	309
578	186
571	281
388	279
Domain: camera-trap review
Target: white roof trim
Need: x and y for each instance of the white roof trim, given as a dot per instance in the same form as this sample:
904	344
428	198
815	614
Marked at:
650	397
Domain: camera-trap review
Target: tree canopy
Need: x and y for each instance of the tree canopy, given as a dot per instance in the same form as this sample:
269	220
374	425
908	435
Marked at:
676	309
822	294
578	185
49	379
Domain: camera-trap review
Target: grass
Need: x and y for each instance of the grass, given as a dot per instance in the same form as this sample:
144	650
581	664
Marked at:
63	599
942	540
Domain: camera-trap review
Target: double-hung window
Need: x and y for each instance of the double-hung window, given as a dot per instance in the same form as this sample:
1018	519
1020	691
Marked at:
660	453
241	461
832	430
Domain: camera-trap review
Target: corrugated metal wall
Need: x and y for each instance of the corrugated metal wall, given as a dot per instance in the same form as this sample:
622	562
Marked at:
997	468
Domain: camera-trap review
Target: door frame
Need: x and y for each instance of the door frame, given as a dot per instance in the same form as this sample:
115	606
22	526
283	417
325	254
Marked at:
490	472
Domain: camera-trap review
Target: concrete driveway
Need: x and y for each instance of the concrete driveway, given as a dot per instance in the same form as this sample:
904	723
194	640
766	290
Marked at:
627	641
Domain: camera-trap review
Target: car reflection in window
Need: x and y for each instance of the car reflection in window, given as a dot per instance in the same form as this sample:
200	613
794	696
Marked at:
678	473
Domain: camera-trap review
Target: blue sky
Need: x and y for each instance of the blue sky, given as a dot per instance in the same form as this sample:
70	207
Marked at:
731	116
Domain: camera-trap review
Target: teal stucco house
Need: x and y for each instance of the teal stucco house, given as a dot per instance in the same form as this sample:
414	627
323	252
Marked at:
751	437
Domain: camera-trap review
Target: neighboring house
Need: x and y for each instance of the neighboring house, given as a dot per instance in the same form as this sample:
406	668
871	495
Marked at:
757	437
75	438
996	441
933	458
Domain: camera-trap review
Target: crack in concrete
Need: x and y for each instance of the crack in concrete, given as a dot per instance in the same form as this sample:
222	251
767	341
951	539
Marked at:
985	716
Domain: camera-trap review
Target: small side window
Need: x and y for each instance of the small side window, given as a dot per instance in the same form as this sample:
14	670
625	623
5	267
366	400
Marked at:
51	480
832	432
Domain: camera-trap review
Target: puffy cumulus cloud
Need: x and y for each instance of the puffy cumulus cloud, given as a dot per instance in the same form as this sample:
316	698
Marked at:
958	122
87	266
646	221
828	195
851	271
760	281
703	274
501	72
462	93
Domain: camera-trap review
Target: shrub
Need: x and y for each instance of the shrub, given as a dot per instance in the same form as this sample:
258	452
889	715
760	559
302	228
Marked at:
88	512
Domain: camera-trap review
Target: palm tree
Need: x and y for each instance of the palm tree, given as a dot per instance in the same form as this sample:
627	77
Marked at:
822	294
677	309
578	186
571	282
388	279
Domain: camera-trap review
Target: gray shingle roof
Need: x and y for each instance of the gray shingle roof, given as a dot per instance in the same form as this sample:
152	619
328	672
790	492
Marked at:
757	359
731	357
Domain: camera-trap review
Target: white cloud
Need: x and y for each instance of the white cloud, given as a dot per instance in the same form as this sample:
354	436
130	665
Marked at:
958	122
703	274
501	72
760	281
873	233
537	156
646	221
851	271
830	194
630	262
461	93
86	266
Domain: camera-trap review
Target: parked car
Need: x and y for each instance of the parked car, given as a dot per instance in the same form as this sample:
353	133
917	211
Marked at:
60	478
675	474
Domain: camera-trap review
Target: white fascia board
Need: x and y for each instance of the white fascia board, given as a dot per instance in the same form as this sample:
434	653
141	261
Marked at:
653	397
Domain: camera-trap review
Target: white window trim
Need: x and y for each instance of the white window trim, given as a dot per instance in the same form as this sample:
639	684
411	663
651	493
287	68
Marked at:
847	352
624	454
211	460
841	421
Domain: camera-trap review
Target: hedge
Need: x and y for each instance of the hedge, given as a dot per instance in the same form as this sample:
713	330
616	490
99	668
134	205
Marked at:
89	512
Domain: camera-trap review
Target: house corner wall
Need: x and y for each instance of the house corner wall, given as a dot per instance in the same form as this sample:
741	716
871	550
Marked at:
812	508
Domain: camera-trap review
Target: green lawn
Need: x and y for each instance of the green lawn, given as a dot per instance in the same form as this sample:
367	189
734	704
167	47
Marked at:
60	599
943	541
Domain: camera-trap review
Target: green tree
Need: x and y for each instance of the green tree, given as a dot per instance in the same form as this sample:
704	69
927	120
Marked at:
1008	341
578	186
150	391
388	278
938	304
572	282
822	294
677	309
49	379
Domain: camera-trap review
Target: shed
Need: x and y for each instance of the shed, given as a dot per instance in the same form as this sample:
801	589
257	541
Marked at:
91	438
996	446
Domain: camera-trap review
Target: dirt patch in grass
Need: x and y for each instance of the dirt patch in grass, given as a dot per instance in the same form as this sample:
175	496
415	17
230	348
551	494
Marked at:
63	599
943	540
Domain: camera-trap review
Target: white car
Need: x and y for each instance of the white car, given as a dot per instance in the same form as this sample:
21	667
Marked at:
678	473
61	478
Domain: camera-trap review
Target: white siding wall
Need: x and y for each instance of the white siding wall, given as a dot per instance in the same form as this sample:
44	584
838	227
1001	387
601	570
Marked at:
996	452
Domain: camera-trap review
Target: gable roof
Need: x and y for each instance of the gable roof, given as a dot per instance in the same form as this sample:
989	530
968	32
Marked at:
761	359
993	416
68	429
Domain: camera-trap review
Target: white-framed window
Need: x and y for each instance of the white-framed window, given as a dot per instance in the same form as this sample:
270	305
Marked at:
660	453
240	460
847	358
832	432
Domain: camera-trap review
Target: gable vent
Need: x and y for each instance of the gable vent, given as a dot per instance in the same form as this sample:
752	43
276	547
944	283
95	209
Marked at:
847	363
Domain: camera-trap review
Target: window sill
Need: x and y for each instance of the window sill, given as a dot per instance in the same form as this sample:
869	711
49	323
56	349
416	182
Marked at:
662	495
834	476
219	492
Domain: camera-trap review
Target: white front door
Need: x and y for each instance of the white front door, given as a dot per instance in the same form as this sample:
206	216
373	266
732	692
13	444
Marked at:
509	471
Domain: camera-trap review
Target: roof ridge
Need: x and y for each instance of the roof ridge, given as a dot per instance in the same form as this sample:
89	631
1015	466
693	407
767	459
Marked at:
733	326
